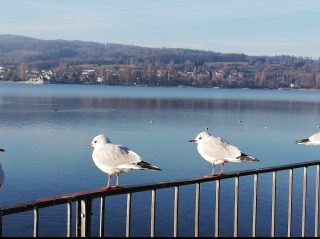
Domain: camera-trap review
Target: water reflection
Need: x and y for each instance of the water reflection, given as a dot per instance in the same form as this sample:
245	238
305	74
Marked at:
55	104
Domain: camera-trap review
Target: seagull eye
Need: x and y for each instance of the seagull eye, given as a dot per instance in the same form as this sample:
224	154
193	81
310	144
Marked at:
200	137
95	142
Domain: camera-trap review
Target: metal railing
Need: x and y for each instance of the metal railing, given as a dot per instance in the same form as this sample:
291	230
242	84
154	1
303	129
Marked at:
83	202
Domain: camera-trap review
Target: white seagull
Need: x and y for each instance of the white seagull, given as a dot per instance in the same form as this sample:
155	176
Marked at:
216	150
115	159
1	172
312	140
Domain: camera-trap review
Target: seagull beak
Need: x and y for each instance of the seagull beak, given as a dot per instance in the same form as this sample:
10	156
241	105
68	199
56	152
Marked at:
89	145
192	140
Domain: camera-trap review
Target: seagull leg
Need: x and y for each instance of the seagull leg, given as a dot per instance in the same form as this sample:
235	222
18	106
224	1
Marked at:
212	173
109	179
222	170
117	181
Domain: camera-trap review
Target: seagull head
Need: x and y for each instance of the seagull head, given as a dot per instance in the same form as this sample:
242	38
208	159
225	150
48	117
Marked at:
200	137
99	140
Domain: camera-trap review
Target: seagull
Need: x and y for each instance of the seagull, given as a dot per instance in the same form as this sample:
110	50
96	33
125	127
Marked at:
115	159
216	150
1	172
312	140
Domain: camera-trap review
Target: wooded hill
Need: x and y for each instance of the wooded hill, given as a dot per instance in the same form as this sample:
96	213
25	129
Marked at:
19	49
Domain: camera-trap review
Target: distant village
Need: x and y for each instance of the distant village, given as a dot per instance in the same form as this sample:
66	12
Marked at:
231	75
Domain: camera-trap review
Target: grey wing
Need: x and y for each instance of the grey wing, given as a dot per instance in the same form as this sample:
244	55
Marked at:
221	149
115	155
130	157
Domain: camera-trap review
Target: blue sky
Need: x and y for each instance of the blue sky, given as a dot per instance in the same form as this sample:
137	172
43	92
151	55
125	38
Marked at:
254	27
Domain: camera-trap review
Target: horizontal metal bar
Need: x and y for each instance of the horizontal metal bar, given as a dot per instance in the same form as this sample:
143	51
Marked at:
62	199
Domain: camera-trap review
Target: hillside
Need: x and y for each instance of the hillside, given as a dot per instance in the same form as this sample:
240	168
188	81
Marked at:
17	49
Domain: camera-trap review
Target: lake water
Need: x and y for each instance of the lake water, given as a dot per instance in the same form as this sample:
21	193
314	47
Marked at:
44	129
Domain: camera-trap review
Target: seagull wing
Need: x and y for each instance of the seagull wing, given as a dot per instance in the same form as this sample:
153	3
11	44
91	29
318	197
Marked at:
219	149
127	155
114	155
134	161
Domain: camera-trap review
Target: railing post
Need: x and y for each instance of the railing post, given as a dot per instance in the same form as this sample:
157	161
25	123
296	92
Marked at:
316	216
236	207
216	227
153	214
35	222
290	202
0	224
196	213
176	212
254	206
273	206
128	219
102	211
69	219
304	201
85	217
78	219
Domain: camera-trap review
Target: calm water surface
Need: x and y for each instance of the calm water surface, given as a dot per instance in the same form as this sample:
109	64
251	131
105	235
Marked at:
44	129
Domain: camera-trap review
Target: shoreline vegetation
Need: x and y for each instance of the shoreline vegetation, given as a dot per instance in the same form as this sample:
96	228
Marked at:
29	60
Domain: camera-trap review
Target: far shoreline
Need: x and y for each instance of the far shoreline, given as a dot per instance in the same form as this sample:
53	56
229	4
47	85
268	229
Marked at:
178	86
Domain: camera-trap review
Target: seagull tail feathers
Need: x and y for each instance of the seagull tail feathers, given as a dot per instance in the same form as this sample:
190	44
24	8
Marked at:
302	141
145	165
245	157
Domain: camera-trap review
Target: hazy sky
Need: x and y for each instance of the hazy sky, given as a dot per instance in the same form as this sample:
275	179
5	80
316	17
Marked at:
255	27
